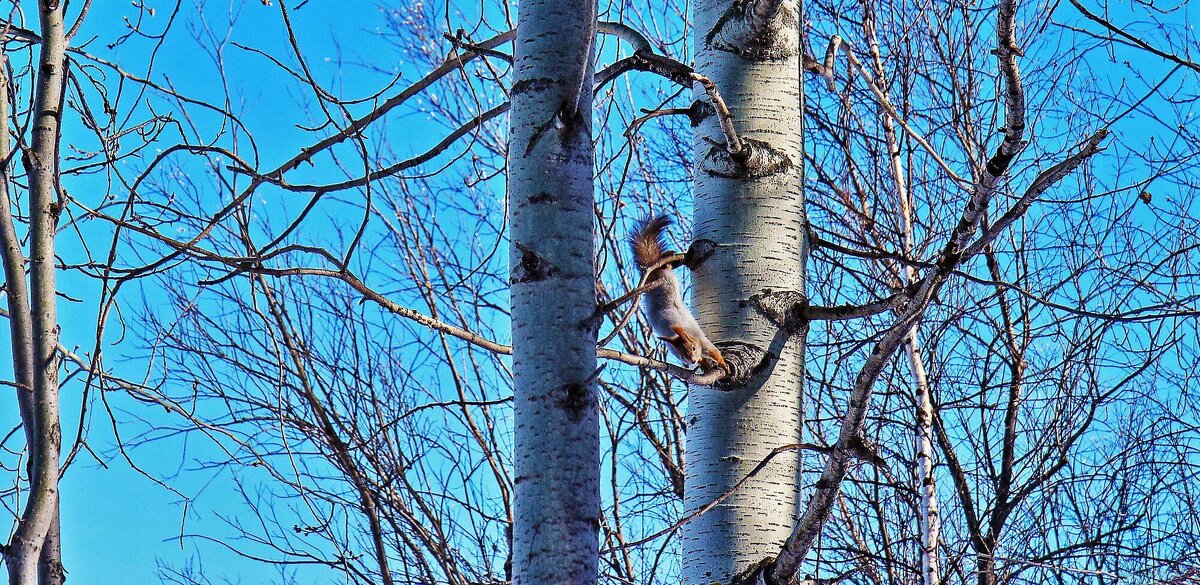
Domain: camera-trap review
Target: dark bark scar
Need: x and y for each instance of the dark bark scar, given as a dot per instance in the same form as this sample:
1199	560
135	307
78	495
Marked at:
531	267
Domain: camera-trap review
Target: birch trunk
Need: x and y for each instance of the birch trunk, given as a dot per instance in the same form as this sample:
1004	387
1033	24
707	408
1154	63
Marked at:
753	205
39	518
923	444
929	520
923	415
16	288
553	288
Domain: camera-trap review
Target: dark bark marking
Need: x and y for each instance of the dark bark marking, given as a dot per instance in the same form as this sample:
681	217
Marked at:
571	125
999	163
699	111
534	84
700	251
574	401
750	575
757	160
736	32
744	360
532	267
543	197
784	308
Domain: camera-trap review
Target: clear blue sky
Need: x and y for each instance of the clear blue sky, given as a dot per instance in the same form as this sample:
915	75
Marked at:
120	526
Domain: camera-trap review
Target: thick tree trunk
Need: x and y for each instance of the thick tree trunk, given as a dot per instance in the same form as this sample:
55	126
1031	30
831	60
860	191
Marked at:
752	203
553	287
24	553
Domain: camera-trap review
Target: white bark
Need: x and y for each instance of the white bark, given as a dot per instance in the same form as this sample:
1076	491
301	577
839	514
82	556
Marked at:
923	442
16	287
553	287
923	416
755	211
40	515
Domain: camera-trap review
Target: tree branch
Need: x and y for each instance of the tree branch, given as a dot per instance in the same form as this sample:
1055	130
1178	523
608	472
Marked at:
783	568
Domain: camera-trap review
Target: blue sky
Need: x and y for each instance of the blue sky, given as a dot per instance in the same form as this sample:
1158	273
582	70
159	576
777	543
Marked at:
120	525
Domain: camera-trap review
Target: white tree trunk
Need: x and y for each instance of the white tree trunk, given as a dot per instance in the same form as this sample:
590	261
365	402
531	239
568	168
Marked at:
553	287
755	211
923	418
40	515
923	443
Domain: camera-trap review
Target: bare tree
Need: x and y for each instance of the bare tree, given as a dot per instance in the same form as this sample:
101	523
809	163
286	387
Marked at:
33	552
963	191
50	85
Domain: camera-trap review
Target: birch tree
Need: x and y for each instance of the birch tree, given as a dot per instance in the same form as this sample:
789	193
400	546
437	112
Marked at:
556	464
51	85
33	553
748	197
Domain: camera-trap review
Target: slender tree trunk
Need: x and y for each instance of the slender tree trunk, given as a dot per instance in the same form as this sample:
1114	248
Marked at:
553	287
923	444
50	567
20	325
752	203
38	519
16	288
929	520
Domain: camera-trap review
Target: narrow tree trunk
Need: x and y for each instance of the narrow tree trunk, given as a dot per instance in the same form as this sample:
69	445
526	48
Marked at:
923	444
50	567
16	288
20	326
929	520
23	555
752	203
553	288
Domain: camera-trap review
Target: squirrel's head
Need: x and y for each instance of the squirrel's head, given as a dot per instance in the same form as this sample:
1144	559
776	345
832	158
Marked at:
686	348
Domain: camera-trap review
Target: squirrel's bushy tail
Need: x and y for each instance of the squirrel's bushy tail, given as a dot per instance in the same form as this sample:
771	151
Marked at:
647	241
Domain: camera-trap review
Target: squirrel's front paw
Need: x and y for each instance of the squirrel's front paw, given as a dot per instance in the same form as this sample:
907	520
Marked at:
712	360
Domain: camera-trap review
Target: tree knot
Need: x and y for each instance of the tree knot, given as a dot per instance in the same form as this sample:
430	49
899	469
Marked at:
755	160
531	267
757	30
743	361
783	308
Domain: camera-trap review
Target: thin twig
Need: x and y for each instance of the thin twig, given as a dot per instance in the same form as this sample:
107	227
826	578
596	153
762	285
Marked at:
733	144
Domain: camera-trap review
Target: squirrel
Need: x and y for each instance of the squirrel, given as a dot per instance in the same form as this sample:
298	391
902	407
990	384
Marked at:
671	320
